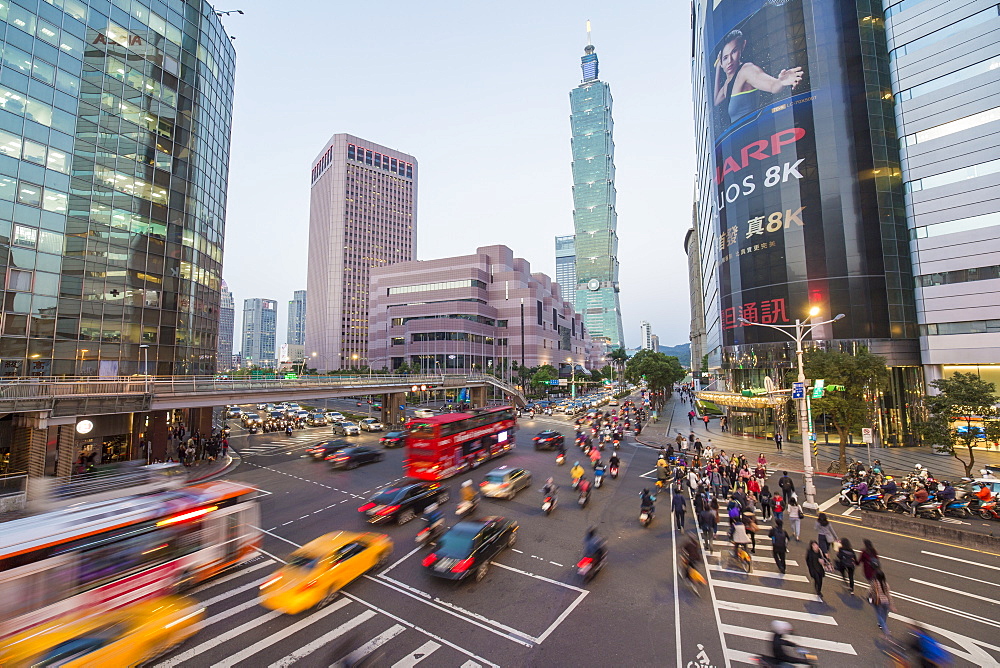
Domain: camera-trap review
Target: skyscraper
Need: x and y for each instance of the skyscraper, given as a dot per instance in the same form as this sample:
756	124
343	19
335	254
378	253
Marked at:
227	324
297	319
113	176
260	321
566	266
594	217
645	336
362	214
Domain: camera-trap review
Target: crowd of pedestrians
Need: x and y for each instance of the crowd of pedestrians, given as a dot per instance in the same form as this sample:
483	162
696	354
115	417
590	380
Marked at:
189	447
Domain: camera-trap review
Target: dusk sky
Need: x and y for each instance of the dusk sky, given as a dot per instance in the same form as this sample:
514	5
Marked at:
479	93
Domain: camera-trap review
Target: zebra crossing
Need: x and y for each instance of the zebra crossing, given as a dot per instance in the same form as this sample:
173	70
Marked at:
281	444
748	602
237	631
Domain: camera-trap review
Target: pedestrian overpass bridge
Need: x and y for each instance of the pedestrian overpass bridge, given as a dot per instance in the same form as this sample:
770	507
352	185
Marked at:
59	397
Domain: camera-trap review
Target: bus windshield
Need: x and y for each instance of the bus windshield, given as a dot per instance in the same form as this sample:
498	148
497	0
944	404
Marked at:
422	430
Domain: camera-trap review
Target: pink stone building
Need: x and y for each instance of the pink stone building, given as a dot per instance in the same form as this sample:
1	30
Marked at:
474	312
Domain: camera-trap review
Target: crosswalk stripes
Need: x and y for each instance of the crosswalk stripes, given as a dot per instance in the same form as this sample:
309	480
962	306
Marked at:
746	603
286	443
239	631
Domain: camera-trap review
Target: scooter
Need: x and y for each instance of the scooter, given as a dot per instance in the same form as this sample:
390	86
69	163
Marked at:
930	509
466	507
560	459
549	504
988	510
645	516
598	476
590	565
429	534
957	508
613	471
584	498
899	503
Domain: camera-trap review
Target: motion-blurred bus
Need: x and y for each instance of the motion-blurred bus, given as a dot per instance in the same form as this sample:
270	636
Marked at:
445	445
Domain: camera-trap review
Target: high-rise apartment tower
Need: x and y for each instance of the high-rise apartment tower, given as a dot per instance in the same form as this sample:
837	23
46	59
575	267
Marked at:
595	219
362	214
566	266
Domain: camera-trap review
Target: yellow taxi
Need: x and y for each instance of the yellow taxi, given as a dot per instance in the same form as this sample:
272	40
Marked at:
130	636
317	571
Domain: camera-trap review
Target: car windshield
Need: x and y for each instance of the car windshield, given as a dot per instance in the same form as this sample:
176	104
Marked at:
348	424
456	543
386	496
495	478
302	561
395	434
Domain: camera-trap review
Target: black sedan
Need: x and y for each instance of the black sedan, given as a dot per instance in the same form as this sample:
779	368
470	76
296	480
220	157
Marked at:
402	503
393	439
468	547
326	449
548	440
351	458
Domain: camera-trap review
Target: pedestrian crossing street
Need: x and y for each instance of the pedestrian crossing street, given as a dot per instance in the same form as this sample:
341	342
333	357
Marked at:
281	444
237	631
748	603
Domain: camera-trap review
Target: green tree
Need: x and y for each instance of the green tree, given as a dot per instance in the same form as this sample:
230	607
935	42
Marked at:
964	398
704	363
618	358
863	375
544	374
659	370
596	376
403	369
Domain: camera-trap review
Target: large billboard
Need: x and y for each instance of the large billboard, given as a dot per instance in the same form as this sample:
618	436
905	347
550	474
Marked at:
795	229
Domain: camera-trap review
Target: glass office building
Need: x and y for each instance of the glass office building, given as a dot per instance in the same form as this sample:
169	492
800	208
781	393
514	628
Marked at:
566	267
595	219
114	152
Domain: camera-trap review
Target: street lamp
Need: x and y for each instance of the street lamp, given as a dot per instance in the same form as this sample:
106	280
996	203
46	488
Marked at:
802	328
145	364
572	382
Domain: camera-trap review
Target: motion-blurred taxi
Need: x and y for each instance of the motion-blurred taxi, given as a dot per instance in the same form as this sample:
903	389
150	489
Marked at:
129	636
317	571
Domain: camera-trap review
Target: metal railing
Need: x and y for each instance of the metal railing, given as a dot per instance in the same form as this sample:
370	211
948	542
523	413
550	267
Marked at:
22	389
13	484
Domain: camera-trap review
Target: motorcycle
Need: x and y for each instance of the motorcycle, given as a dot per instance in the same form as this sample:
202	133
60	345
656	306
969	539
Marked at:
560	459
584	498
899	503
613	471
576	483
804	658
929	509
549	504
988	510
598	476
589	566
956	508
429	534
645	517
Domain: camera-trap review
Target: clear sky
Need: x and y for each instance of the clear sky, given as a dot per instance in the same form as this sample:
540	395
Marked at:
479	93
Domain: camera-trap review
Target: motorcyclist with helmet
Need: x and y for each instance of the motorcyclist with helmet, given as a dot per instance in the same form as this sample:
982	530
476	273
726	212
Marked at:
576	473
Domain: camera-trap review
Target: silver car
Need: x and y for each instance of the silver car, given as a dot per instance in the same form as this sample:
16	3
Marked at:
371	424
504	482
346	428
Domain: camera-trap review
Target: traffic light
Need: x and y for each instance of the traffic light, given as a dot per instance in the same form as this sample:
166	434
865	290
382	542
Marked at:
817	392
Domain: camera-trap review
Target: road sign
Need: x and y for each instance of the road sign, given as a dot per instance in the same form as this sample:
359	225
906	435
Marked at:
817	392
563	381
554	381
798	390
867	435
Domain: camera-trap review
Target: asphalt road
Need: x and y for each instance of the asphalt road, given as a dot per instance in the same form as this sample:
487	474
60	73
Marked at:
531	609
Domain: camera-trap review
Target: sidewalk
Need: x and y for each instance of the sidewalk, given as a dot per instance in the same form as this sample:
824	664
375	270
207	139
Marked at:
895	461
203	469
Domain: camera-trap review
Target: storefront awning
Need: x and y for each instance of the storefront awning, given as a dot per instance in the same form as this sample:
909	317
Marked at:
738	400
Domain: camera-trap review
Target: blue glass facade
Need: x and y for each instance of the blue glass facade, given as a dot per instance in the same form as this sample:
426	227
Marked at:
594	217
114	154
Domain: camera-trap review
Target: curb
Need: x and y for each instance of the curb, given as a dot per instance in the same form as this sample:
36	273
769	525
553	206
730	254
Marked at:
944	533
216	473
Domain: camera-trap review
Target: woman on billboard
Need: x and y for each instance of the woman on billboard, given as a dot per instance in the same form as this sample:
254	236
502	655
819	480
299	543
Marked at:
738	84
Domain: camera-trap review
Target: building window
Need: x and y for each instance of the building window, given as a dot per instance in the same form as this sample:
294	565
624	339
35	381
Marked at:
29	193
19	280
26	237
445	285
397	340
538	312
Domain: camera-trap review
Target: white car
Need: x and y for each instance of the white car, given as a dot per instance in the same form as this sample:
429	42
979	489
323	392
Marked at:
424	413
334	417
371	424
504	482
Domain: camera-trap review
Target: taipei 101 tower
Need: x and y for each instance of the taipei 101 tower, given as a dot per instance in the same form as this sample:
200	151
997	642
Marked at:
594	217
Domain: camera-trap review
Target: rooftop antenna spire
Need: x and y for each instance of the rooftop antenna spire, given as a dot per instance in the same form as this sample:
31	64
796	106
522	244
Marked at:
589	41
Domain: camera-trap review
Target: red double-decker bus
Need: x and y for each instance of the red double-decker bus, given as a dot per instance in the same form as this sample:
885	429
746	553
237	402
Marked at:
439	447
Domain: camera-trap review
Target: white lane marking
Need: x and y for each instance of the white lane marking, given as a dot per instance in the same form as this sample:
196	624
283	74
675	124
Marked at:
770	591
417	655
555	563
271	555
849	511
829	502
231	593
938	570
786	577
740	656
677	594
537	577
401	560
711	592
471	664
945	608
561	618
324	639
964	561
423	598
373	644
218	640
274	535
229	612
815	643
775	612
421	630
518	551
281	634
956	591
212	584
975	655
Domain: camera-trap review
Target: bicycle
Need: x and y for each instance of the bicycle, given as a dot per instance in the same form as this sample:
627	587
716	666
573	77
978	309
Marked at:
742	556
693	578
